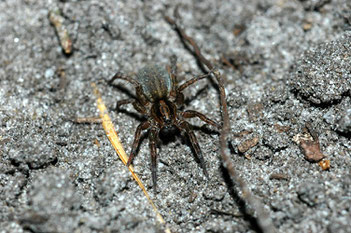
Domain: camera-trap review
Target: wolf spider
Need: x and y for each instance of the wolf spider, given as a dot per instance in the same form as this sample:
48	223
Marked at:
159	98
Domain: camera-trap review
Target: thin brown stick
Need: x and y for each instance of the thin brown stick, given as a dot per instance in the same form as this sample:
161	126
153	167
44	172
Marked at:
263	218
58	20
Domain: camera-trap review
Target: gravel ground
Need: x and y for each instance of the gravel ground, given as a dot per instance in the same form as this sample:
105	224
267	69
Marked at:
287	71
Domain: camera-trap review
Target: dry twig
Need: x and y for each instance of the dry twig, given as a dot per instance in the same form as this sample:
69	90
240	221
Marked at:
264	220
57	20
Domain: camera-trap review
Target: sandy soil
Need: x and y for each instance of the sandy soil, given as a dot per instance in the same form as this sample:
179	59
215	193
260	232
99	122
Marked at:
286	65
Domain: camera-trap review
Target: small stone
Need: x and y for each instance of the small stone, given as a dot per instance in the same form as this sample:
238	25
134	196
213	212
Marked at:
325	164
248	144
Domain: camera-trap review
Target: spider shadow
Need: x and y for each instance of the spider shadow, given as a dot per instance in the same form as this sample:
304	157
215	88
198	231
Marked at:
130	95
185	140
134	115
205	128
187	101
123	90
167	136
171	135
232	190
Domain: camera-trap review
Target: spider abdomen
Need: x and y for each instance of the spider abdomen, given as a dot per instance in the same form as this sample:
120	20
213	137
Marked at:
155	81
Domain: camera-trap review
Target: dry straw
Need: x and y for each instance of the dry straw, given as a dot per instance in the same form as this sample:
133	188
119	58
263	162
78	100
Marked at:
114	139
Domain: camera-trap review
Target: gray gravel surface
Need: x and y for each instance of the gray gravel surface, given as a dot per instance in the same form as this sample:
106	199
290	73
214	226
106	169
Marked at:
286	64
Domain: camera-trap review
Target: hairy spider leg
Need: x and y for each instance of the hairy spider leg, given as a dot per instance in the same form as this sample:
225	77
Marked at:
192	114
152	144
124	102
192	81
140	96
180	95
142	126
185	126
137	106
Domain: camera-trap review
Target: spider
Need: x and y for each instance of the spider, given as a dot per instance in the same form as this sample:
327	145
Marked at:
159	99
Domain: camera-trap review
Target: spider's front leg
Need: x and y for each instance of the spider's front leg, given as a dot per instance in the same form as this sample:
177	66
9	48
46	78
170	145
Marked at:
152	144
142	126
185	126
179	90
123	102
192	81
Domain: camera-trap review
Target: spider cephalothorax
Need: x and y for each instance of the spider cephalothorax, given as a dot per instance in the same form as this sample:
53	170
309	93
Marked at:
159	98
